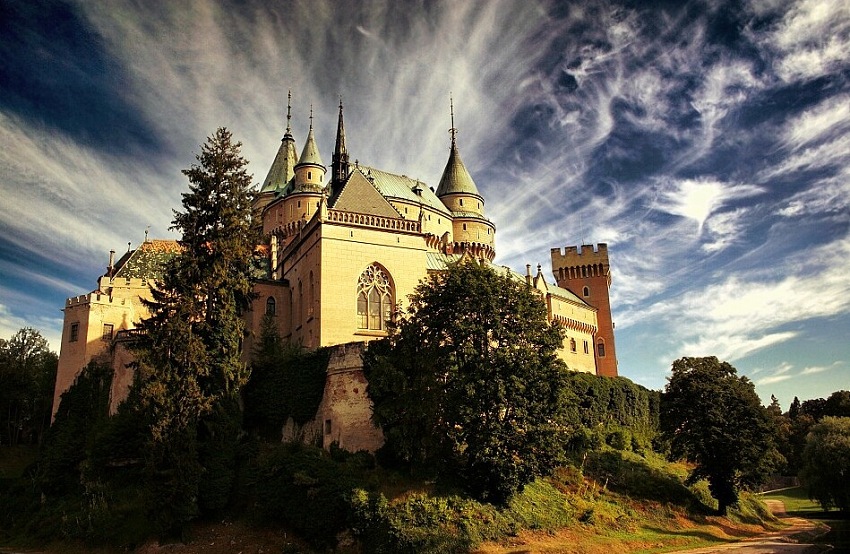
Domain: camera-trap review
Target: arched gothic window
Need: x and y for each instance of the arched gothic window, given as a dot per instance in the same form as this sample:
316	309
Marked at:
600	349
270	306
374	299
586	291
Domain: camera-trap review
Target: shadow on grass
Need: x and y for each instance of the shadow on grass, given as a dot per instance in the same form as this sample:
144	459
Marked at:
638	480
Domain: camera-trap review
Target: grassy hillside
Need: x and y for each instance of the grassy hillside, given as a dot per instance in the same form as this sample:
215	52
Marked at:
296	498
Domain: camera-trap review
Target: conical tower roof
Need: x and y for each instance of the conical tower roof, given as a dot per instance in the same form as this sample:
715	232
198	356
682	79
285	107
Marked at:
310	154
283	167
456	179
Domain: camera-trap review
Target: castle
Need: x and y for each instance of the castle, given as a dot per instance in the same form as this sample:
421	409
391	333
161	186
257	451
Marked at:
343	248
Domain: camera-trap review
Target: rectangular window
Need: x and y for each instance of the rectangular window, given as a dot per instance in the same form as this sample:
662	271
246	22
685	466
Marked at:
75	332
327	427
107	331
586	349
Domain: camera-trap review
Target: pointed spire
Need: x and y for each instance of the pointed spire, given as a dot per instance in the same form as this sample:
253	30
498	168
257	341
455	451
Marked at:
453	131
339	164
310	154
456	179
283	166
288	114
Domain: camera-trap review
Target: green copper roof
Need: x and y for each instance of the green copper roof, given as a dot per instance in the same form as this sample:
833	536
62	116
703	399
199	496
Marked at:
283	167
310	154
402	187
456	179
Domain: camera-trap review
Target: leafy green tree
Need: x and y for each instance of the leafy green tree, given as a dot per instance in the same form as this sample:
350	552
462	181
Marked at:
188	361
714	418
27	376
826	463
469	381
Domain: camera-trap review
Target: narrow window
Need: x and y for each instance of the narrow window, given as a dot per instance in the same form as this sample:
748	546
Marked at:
374	299
309	175
311	299
327	427
600	349
586	291
107	332
464	226
586	348
572	345
270	306
75	332
461	201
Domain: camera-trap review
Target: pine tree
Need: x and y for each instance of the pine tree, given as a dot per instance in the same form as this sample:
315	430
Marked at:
189	361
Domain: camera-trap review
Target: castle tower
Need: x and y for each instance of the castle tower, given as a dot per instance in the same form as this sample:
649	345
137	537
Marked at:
471	231
283	167
309	171
339	163
587	274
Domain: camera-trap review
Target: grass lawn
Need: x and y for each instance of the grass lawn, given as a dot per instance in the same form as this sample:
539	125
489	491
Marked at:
797	503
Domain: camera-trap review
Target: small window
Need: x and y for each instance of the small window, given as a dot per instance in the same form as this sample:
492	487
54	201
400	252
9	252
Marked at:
461	201
107	332
327	427
600	349
586	348
299	203
75	332
271	306
586	291
464	226
309	175
572	345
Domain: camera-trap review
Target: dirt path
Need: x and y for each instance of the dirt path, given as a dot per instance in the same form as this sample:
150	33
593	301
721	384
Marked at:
780	542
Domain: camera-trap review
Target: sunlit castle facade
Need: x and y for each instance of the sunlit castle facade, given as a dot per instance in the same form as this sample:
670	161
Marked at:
347	244
344	247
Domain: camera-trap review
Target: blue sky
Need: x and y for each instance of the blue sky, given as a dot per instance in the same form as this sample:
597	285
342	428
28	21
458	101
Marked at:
706	142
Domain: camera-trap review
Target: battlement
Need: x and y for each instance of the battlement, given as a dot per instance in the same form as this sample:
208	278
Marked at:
94	297
584	255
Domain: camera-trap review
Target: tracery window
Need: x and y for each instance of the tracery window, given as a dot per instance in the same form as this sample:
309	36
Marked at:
374	299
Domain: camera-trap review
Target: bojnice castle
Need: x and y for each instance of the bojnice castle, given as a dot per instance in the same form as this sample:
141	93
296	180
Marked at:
343	247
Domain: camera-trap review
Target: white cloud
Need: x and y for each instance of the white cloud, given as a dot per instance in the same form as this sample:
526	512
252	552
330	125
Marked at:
697	199
736	317
812	39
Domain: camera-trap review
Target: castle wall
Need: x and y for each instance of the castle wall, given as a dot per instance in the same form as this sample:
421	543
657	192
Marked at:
116	303
345	254
580	324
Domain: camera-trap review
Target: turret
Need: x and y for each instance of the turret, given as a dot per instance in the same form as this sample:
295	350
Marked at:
339	164
283	168
309	171
472	232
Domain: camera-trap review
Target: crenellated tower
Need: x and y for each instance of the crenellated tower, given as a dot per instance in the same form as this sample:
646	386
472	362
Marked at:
587	274
471	231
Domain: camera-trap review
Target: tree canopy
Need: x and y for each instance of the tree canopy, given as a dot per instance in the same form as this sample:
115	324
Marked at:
468	381
27	376
826	463
714	418
189	367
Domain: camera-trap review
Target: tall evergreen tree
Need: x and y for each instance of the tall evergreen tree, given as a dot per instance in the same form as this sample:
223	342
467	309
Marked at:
188	361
